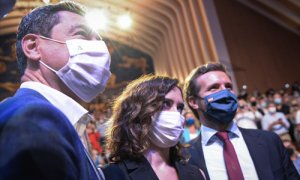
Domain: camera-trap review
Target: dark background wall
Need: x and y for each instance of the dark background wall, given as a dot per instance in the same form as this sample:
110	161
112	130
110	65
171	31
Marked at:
263	54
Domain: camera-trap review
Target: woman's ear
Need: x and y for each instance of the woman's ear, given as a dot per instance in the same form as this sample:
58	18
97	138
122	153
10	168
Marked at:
30	47
193	102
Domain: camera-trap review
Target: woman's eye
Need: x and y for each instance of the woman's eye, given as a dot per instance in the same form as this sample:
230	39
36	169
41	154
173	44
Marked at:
167	104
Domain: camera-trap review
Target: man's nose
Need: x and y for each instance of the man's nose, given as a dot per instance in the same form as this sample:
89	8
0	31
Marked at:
222	87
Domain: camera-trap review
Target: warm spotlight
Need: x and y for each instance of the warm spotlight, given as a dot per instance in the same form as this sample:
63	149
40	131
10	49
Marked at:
97	19
124	21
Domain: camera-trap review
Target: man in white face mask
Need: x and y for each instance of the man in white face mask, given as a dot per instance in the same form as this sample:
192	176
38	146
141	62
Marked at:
62	63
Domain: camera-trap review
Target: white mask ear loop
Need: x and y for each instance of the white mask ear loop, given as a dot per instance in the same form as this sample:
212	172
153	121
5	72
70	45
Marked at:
50	39
50	68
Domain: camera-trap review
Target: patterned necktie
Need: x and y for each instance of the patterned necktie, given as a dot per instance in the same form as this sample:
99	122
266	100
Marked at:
233	167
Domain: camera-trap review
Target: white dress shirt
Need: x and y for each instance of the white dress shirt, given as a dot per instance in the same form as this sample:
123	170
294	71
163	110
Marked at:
77	115
213	153
67	105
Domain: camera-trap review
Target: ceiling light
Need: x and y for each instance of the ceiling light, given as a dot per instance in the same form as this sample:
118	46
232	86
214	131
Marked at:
96	19
124	21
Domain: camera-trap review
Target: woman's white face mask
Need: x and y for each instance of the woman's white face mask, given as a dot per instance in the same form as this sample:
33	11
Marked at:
87	70
167	129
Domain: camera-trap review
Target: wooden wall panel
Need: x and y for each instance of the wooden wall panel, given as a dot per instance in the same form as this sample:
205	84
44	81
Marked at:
263	54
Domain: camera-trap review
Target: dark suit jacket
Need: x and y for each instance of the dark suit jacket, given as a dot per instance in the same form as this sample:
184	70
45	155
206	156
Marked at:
269	156
142	170
37	141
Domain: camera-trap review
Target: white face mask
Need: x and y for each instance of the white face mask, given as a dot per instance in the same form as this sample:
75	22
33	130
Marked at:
272	110
167	129
87	70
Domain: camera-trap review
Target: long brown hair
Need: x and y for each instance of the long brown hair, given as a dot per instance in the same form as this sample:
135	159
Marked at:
131	119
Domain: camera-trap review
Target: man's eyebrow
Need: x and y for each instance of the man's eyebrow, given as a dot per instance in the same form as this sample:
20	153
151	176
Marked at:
228	83
80	26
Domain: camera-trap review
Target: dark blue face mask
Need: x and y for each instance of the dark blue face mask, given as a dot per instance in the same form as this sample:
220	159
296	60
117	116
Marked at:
221	106
190	121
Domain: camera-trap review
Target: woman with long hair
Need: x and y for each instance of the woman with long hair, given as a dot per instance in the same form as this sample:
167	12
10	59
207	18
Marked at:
145	130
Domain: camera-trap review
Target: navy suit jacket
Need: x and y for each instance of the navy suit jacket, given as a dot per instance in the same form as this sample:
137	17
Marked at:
142	170
269	156
37	141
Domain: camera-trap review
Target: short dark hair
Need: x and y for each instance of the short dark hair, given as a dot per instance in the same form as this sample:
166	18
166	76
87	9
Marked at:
41	21
191	88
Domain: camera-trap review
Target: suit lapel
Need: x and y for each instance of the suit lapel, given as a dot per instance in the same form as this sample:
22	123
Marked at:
140	170
258	152
197	149
186	171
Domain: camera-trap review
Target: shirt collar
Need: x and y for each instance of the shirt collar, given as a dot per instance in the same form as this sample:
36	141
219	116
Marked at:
73	110
208	134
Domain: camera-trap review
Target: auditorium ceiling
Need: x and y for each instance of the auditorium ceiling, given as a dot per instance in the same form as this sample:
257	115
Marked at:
177	34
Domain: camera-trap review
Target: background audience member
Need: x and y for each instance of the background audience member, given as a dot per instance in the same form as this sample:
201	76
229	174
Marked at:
101	125
191	127
258	111
263	104
276	122
94	136
244	117
297	127
97	158
282	102
280	105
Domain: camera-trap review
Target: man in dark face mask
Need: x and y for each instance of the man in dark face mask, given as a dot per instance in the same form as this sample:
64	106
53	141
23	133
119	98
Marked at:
223	150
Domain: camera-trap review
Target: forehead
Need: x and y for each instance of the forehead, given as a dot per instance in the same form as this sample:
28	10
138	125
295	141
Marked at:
189	115
241	101
271	105
68	21
213	77
277	95
175	94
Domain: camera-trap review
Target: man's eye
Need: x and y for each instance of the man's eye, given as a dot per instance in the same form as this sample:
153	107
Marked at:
229	87
82	33
213	88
